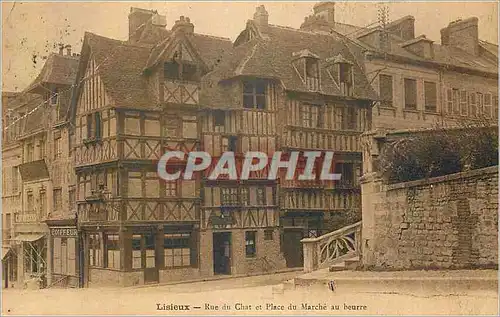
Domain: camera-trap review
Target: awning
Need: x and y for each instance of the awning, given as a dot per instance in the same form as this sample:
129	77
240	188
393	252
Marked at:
29	237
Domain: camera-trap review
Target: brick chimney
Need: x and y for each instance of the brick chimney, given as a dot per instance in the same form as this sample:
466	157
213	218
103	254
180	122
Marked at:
403	27
68	50
261	17
325	9
323	18
463	34
420	46
137	20
183	25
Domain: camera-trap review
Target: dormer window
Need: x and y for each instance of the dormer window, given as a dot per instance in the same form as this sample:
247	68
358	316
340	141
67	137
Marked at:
254	94
345	78
312	74
181	70
306	65
341	71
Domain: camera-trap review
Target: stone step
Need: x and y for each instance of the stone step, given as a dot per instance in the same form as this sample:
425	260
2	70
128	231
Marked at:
352	263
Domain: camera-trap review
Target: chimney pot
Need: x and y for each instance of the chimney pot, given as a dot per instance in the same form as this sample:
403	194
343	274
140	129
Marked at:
68	50
183	25
261	17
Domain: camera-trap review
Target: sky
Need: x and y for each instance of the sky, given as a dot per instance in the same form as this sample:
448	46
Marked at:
34	28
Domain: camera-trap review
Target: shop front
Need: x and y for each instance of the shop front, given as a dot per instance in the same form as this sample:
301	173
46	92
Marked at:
64	254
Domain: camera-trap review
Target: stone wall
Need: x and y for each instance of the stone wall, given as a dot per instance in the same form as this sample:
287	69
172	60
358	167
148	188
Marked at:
443	222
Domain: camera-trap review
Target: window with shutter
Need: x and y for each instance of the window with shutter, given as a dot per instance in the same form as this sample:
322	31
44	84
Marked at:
487	106
385	89
410	90
463	103
430	96
472	104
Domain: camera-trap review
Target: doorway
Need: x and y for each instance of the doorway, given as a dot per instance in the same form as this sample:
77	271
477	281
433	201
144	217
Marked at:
292	247
222	252
151	271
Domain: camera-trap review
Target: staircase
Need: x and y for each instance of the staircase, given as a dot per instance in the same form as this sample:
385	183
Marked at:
338	250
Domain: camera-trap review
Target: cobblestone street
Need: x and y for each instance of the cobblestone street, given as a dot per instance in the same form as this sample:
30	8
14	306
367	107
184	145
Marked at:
250	295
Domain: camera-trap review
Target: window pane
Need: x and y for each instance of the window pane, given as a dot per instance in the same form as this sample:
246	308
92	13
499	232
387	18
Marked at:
248	101
385	84
430	96
248	87
189	72
261	102
410	93
171	70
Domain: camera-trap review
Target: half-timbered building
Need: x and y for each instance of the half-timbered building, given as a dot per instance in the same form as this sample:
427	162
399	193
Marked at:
177	90
292	90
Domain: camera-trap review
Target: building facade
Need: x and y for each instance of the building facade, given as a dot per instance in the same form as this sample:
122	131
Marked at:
177	90
45	184
422	83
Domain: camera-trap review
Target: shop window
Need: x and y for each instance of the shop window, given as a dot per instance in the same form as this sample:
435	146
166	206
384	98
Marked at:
177	249
250	247
113	251
95	254
136	252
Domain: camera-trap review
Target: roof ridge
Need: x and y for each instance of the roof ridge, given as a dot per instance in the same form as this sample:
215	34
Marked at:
299	30
213	36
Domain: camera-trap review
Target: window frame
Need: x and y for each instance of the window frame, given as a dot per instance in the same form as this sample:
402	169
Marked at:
184	241
255	95
407	105
389	103
250	244
430	105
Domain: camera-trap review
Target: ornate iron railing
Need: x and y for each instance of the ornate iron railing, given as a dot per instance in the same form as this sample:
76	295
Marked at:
325	250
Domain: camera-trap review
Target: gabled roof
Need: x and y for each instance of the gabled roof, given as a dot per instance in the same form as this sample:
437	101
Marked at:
212	50
58	69
272	57
120	65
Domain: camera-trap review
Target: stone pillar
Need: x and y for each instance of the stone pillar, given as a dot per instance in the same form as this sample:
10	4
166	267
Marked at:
371	185
310	257
206	253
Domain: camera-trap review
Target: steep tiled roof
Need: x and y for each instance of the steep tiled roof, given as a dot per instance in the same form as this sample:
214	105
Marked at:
120	65
212	50
58	69
490	47
272	57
